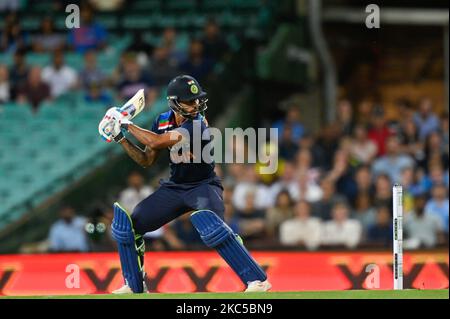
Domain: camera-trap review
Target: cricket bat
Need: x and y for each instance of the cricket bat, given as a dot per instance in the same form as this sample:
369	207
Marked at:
134	106
130	109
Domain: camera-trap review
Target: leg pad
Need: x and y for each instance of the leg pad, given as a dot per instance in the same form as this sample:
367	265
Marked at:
123	233
218	235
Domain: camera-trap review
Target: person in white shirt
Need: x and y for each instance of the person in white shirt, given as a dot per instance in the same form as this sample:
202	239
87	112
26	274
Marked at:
341	230
250	182
134	194
5	86
302	229
362	149
60	77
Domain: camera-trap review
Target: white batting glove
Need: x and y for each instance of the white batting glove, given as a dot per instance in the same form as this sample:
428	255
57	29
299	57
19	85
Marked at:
106	126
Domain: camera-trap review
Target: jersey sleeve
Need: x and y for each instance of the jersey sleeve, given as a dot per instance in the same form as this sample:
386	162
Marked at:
154	128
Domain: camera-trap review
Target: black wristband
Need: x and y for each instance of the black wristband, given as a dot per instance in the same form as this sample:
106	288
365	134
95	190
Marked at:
124	126
119	137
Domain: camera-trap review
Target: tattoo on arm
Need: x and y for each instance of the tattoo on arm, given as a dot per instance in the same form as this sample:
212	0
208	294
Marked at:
143	157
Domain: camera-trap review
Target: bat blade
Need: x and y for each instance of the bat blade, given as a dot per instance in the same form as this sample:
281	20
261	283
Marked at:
135	105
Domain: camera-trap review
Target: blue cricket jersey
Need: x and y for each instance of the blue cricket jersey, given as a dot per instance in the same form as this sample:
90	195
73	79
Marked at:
188	173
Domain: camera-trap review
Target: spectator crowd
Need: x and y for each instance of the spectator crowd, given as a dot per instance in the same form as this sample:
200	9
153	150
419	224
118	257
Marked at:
147	64
332	189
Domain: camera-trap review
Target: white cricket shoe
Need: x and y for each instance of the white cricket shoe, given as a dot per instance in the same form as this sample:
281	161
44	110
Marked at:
125	289
258	286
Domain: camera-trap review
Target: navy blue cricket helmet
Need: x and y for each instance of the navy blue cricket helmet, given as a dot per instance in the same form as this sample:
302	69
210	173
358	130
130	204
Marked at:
185	88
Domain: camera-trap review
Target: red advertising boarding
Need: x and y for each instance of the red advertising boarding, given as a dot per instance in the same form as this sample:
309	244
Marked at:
59	274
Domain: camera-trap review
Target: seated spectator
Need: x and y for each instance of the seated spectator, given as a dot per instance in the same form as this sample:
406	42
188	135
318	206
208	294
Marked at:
410	189
410	142
18	72
438	205
364	186
33	90
344	117
436	176
363	209
162	66
107	5
307	189
134	79
95	94
135	192
364	212
230	217
423	230
292	121
342	175
380	232
434	152
5	86
307	142
379	131
301	230
68	233
304	165
405	109
214	44
287	181
60	77
362	150
170	40
130	197
280	212
425	119
393	162
10	5
47	40
383	191
444	130
322	208
90	35
91	75
250	182
196	64
328	142
341	230
288	147
13	38
140	48
364	111
251	219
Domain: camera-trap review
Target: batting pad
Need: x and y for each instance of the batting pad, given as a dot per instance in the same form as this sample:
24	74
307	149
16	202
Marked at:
218	235
123	233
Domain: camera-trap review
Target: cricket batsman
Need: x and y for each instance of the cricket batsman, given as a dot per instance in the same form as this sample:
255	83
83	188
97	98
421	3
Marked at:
193	186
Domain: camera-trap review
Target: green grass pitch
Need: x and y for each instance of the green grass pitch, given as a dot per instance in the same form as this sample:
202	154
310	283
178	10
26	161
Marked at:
345	294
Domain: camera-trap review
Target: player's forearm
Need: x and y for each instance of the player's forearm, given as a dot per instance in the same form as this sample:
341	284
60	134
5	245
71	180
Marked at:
151	139
144	136
140	156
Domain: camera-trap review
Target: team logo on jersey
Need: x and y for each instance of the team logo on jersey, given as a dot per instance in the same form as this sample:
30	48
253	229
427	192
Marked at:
194	89
163	124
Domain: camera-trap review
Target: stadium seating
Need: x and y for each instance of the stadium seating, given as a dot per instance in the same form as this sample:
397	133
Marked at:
42	153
